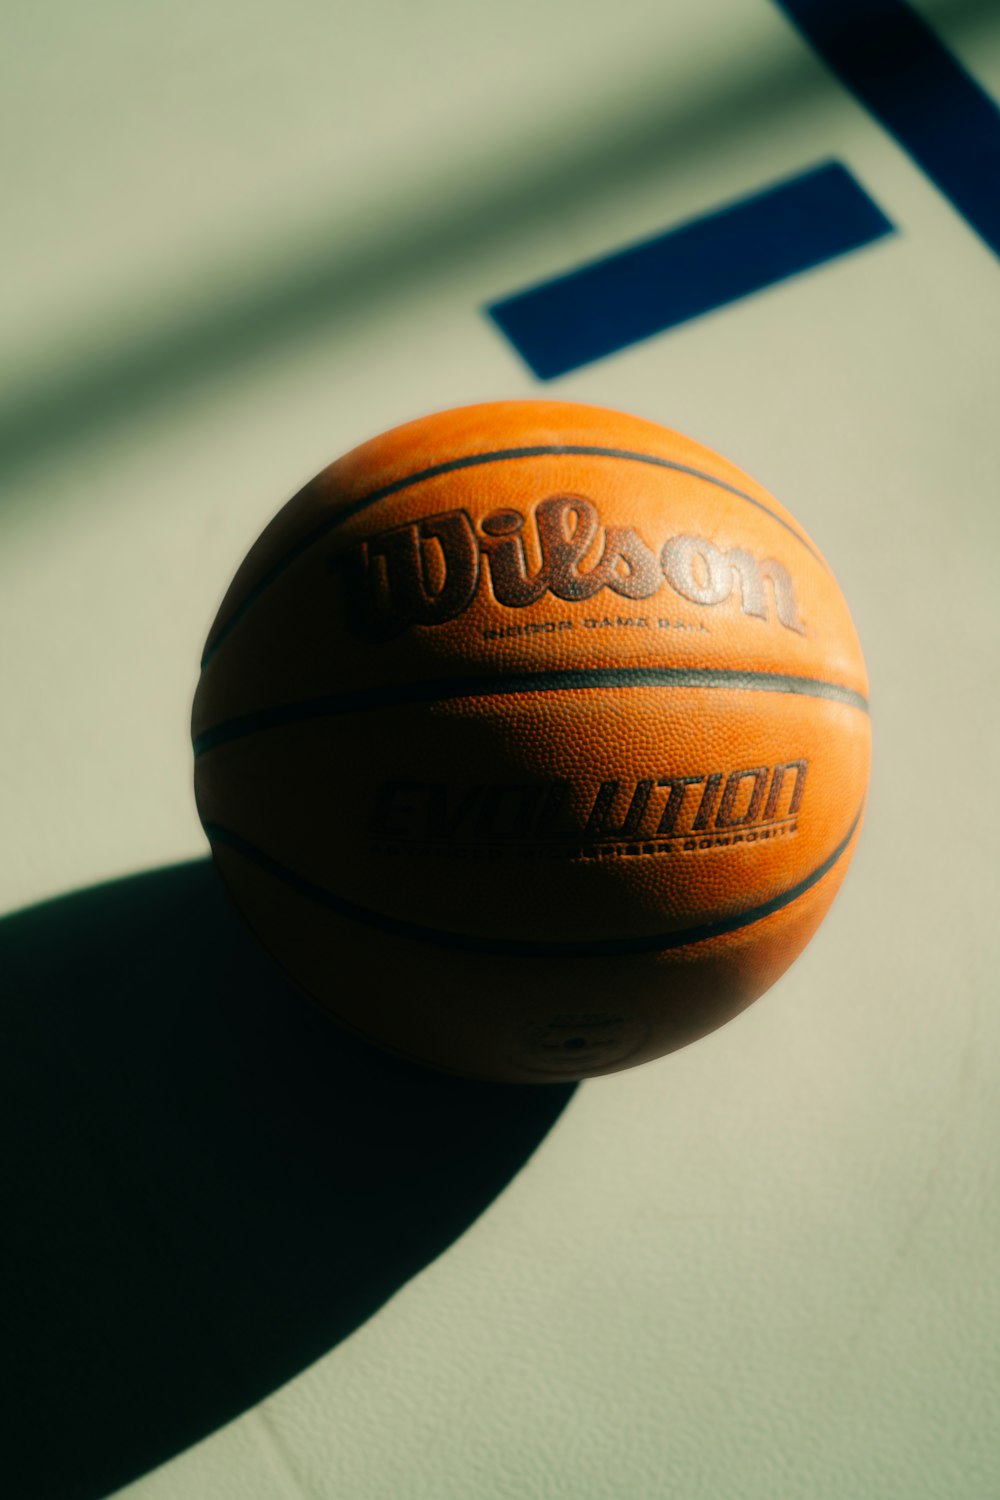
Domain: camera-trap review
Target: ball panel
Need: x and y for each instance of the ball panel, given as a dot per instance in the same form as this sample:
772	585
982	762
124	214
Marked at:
441	438
423	588
502	1020
618	814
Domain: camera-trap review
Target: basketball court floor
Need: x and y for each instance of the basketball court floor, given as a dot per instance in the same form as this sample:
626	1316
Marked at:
241	240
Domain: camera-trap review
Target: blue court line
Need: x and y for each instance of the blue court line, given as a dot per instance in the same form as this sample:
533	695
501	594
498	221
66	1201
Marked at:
892	61
701	265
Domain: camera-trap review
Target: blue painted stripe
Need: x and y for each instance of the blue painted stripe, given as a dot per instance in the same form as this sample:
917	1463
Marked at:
729	253
892	61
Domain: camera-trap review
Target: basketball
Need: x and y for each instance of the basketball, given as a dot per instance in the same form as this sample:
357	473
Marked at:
532	740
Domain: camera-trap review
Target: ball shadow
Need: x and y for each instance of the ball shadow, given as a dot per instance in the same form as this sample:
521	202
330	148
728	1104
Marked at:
210	1183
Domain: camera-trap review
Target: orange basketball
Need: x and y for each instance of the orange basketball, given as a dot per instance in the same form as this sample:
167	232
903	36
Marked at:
532	740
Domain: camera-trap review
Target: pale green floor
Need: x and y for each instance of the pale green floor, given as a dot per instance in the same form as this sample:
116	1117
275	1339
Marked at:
246	237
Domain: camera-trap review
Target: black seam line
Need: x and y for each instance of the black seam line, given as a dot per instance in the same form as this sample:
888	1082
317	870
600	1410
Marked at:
470	461
284	715
517	947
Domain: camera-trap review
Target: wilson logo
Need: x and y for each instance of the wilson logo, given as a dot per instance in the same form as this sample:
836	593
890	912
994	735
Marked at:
427	572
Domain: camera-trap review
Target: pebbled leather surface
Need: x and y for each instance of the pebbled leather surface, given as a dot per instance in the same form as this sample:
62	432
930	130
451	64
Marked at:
436	711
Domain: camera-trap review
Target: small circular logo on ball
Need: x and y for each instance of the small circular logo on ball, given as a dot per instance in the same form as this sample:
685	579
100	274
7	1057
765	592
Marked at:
574	1044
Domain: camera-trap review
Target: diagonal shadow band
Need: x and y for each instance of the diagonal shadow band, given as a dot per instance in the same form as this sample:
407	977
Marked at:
340	263
209	1184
